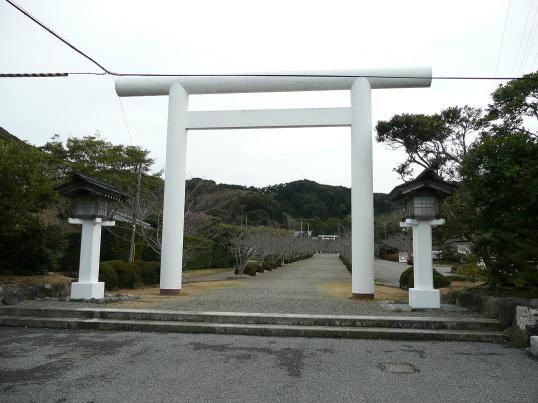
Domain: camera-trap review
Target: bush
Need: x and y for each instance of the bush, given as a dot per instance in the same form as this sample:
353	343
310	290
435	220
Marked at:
346	262
150	272
128	273
250	269
268	265
407	280
108	274
469	271
199	253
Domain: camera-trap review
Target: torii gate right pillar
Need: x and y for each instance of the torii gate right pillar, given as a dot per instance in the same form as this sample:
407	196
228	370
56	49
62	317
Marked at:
362	195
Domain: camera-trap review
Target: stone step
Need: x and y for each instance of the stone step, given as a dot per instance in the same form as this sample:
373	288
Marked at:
255	329
392	322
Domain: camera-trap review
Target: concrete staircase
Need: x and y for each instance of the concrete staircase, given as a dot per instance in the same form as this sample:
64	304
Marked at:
258	324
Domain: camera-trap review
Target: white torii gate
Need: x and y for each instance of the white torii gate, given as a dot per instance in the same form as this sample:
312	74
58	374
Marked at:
359	117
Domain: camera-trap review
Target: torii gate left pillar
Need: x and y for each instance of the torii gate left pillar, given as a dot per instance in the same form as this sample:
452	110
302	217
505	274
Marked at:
359	82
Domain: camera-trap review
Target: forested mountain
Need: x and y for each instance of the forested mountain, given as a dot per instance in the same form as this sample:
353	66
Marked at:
325	208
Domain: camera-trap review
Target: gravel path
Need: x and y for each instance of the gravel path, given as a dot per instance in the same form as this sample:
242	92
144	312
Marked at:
320	285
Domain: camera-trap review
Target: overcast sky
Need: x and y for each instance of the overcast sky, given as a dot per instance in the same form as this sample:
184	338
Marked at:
454	37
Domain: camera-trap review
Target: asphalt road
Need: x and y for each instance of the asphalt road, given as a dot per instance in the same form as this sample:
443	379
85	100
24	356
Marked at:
45	365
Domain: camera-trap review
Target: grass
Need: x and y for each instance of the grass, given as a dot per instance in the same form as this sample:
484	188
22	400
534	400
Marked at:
342	289
151	297
204	272
51	278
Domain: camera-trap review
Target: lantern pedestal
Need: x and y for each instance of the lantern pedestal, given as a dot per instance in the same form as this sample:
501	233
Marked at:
423	295
88	285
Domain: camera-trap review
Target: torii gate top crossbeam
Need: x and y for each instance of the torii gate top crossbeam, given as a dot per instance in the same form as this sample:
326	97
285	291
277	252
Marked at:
411	77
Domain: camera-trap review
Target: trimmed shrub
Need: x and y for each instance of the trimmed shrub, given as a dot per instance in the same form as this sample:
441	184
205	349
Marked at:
268	265
150	272
250	269
128	273
108	274
407	279
346	262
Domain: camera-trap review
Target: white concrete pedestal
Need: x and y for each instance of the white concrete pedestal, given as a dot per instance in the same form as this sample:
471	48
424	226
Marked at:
88	285
423	295
424	298
87	290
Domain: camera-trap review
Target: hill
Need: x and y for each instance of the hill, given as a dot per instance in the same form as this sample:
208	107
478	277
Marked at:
5	135
325	208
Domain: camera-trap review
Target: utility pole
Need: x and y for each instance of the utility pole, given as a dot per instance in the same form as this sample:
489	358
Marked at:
132	246
301	228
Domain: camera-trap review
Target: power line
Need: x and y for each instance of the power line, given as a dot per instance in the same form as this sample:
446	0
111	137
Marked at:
522	36
49	30
30	75
502	37
115	74
530	41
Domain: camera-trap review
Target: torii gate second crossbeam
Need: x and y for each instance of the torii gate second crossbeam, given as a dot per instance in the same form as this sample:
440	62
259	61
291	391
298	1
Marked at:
359	117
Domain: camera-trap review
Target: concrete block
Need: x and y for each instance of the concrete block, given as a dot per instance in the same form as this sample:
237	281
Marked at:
87	290
424	298
534	345
524	325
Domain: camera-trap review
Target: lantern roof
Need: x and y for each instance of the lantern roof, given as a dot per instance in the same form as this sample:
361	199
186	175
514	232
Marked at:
83	185
427	182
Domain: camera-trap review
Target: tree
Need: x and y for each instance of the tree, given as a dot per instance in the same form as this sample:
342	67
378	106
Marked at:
126	167
515	106
501	180
26	189
438	141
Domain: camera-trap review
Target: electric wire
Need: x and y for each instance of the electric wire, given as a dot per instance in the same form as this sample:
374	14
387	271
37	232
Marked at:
49	30
530	41
502	37
275	75
522	36
106	71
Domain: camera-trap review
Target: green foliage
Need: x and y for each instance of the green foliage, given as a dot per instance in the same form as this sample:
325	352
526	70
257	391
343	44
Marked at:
309	199
27	245
407	279
150	272
269	265
346	262
108	275
436	141
251	268
469	271
197	252
514	102
128	273
122	274
501	181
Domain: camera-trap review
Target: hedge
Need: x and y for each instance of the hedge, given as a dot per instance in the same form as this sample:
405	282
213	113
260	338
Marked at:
204	253
121	274
407	280
251	268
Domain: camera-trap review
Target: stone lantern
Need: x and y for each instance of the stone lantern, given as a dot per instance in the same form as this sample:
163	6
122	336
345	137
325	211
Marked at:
92	208
423	197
